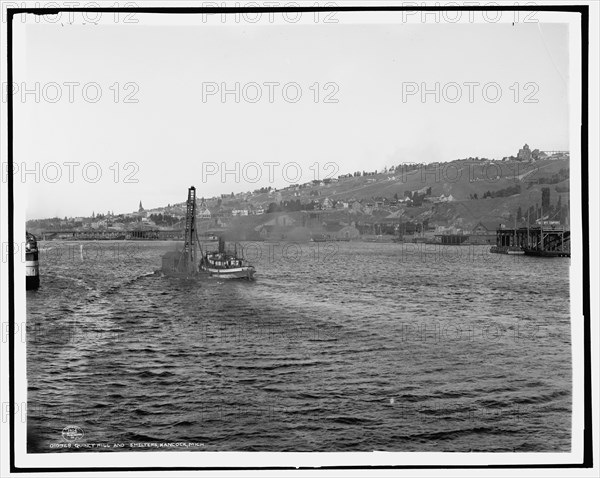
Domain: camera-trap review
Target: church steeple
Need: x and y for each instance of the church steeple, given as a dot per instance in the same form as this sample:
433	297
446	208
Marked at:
141	209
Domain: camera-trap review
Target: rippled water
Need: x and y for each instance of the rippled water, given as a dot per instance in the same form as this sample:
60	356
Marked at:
335	347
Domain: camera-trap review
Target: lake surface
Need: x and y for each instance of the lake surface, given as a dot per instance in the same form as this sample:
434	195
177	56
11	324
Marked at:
335	347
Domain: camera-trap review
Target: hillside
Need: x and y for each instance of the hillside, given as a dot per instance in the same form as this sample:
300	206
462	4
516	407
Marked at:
458	178
457	194
466	183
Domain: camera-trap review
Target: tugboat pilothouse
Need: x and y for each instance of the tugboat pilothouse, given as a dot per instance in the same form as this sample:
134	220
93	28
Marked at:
226	266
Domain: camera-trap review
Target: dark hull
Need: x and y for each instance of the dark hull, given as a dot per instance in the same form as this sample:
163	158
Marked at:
507	250
32	282
537	253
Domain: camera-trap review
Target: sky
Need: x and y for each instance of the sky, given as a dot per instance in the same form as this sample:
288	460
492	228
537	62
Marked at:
162	125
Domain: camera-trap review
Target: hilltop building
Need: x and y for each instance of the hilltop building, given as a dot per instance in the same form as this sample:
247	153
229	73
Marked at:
524	153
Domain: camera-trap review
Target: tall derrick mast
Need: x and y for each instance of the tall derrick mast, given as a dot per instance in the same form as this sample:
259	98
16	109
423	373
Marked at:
187	261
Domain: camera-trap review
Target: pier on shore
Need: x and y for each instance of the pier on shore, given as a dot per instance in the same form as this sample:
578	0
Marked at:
539	240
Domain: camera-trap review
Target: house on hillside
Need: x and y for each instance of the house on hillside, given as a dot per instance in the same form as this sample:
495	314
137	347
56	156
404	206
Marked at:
380	202
538	155
326	204
357	206
203	213
564	155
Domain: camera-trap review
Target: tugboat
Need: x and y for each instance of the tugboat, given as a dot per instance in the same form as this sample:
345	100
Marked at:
184	264
222	265
32	270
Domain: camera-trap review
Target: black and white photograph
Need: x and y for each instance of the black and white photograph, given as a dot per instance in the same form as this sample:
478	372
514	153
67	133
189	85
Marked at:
299	238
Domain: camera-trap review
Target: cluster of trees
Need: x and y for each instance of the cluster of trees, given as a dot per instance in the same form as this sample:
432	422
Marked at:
355	174
292	206
476	158
501	193
163	219
358	174
262	190
50	223
102	216
559	177
376	228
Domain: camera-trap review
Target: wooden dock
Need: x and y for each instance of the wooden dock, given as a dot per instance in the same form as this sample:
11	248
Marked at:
539	240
